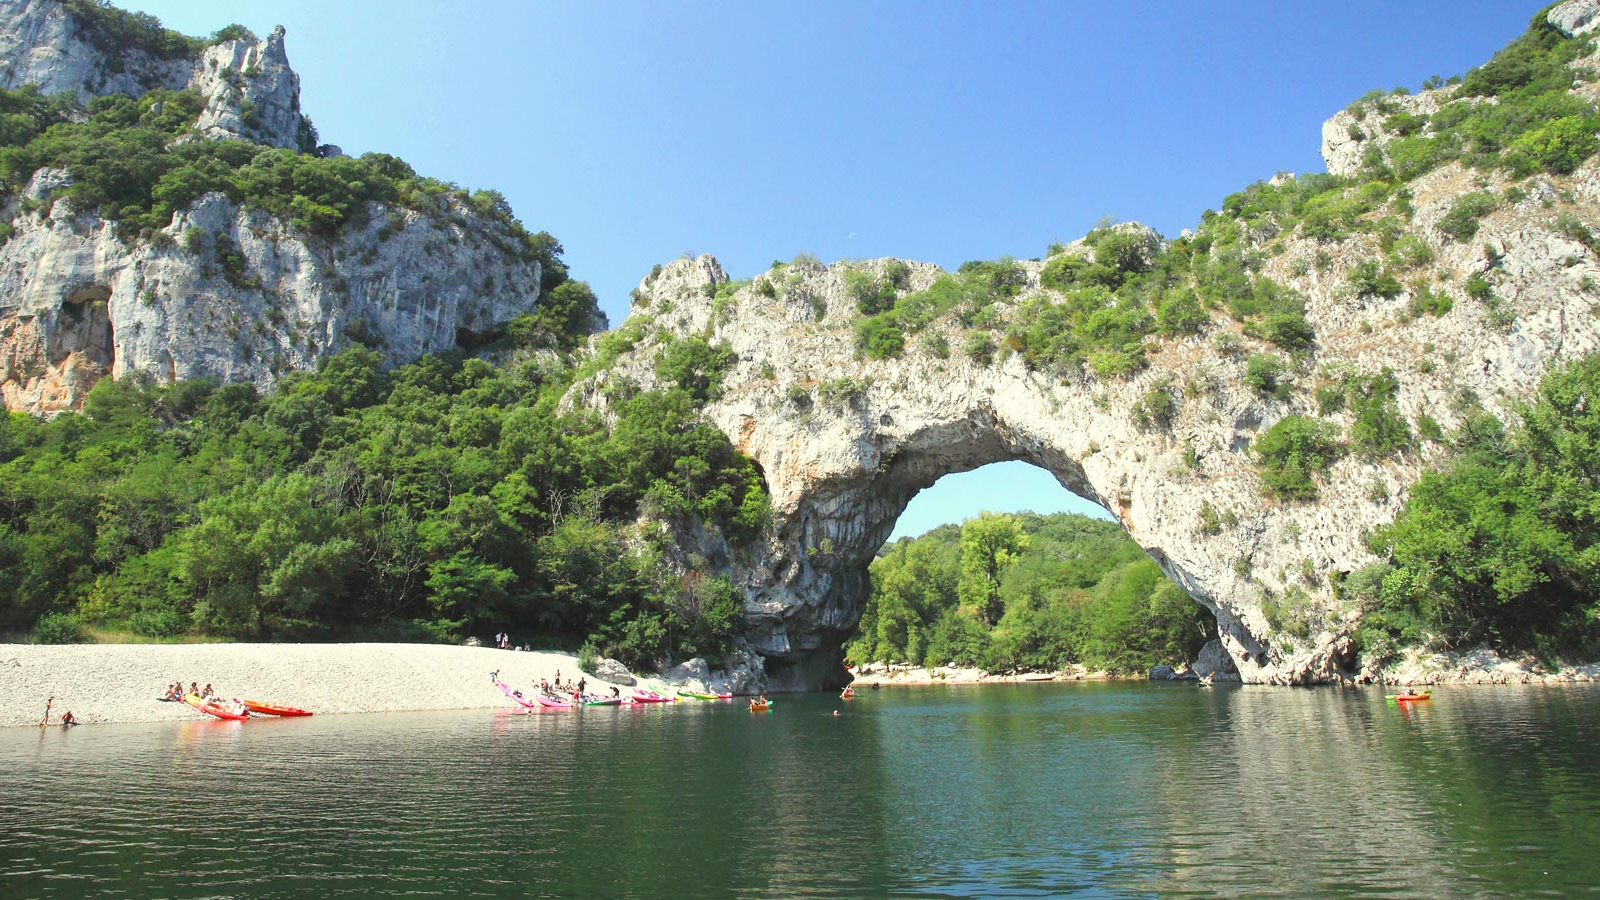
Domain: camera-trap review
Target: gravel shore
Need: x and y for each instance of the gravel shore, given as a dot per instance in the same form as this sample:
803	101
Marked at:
120	682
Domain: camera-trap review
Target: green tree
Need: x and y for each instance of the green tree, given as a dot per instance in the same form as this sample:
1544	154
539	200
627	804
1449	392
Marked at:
989	544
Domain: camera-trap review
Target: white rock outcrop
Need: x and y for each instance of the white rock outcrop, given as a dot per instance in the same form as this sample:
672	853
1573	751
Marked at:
249	89
845	442
77	303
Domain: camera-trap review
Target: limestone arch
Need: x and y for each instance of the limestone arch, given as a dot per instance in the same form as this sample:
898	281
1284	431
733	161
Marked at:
845	441
837	526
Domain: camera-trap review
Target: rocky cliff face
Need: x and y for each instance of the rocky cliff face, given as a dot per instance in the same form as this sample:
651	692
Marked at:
845	442
249	90
78	301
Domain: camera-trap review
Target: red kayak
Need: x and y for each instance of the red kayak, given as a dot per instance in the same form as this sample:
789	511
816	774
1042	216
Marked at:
273	709
212	709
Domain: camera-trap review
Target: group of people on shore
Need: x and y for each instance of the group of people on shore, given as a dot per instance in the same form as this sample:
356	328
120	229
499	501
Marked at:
565	691
176	692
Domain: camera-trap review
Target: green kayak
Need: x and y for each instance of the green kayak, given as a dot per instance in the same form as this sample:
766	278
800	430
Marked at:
699	696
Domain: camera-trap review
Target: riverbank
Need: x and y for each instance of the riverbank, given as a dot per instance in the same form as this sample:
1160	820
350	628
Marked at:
884	674
120	682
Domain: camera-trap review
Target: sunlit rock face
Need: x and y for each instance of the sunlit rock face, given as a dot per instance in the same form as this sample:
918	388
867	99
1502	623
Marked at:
844	442
79	302
249	90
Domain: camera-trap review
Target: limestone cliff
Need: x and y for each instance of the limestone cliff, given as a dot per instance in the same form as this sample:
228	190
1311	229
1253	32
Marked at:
249	90
845	441
223	290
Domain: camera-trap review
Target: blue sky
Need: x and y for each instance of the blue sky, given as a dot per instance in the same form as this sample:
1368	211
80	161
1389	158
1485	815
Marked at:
636	132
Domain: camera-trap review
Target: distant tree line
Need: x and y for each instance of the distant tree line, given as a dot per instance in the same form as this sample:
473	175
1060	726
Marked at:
1027	592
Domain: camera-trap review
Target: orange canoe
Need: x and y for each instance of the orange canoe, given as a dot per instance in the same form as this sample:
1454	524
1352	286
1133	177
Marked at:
273	709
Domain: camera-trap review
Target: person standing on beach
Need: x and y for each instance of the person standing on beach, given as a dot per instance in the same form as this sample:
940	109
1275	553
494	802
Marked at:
47	704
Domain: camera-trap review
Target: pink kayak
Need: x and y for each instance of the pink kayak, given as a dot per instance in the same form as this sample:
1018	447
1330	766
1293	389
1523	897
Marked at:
514	695
548	703
651	697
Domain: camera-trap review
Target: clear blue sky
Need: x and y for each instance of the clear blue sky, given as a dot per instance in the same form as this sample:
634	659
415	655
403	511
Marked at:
929	130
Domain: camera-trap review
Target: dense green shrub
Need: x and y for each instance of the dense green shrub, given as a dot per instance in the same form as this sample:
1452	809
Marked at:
1501	545
1370	279
1379	428
1262	372
57	628
1461	221
1292	454
879	336
695	365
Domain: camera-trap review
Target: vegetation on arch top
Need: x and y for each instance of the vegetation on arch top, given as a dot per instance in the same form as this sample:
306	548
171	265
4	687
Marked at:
1098	308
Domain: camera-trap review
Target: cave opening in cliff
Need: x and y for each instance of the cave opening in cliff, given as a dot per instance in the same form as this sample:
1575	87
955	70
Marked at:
85	328
1002	568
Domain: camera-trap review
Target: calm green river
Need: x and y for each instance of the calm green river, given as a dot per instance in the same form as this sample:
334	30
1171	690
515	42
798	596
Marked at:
1081	790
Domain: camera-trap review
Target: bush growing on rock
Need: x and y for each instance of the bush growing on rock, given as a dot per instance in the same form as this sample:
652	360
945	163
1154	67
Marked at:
1292	454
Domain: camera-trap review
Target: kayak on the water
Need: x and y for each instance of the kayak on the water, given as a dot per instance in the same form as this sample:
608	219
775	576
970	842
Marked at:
651	697
1409	697
213	709
550	703
273	709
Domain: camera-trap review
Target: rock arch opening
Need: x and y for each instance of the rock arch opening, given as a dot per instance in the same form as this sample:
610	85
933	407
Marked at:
1002	569
838	525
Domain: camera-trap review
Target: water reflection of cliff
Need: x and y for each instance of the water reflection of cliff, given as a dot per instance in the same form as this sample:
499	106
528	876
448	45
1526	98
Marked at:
1329	792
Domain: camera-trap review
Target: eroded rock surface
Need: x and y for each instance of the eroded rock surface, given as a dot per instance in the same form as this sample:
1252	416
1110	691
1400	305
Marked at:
844	442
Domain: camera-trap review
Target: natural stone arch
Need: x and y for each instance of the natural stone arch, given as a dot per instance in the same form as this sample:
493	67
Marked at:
844	441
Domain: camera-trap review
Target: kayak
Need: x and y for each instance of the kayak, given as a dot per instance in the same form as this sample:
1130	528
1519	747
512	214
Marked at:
513	695
273	709
212	709
651	697
614	701
761	707
847	694
1409	698
554	704
696	695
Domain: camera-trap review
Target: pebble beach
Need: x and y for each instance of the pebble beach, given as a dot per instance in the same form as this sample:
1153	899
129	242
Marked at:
103	683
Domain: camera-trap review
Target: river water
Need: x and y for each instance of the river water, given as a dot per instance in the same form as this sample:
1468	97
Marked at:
1084	790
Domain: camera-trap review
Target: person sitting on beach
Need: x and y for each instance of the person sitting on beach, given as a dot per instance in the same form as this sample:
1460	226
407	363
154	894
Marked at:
67	719
208	693
194	688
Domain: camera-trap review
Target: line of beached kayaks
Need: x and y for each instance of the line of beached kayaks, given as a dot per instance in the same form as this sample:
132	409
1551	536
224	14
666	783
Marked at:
213	708
635	699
